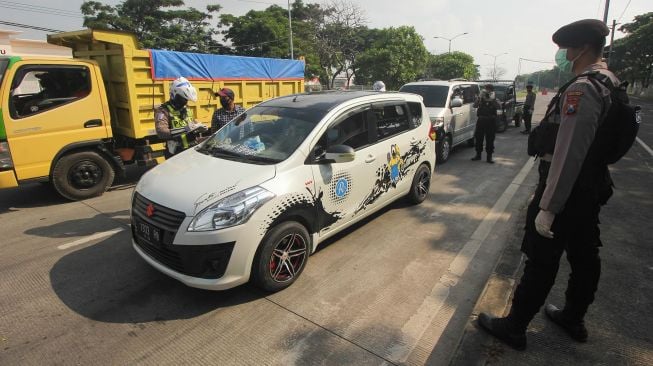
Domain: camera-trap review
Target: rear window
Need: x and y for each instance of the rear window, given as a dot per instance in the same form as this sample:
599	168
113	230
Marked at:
435	96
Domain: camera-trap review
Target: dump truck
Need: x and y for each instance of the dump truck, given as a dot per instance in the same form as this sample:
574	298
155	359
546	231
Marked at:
79	122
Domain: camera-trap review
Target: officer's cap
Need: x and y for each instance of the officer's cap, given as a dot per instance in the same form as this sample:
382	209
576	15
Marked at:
582	32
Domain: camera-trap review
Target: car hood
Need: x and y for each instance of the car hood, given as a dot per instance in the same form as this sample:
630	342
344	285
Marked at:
192	181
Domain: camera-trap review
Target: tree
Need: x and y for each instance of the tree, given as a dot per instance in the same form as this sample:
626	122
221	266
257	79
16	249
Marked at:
632	57
157	23
453	65
338	40
396	56
496	73
265	33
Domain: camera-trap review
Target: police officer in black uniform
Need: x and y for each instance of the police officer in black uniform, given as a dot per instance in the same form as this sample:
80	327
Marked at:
486	126
574	182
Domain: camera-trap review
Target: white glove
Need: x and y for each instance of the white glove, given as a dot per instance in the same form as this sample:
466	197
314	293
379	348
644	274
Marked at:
543	222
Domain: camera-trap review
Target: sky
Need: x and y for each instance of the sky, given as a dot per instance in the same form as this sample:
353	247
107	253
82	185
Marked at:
511	30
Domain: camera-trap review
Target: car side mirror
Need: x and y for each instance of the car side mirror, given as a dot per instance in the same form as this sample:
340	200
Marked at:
456	102
340	154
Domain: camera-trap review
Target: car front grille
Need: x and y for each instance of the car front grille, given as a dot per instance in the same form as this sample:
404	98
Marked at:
163	217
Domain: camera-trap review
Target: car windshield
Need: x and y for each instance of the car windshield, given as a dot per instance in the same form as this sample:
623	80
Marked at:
435	96
264	135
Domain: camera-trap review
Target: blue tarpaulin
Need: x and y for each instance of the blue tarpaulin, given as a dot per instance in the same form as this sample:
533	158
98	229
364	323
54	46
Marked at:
169	65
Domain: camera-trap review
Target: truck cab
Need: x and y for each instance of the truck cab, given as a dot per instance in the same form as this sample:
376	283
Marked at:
50	108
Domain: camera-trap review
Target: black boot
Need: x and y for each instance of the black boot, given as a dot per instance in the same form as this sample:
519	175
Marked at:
575	329
477	157
503	330
489	158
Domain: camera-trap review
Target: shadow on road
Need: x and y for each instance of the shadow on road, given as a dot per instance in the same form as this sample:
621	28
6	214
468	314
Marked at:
82	227
109	282
32	195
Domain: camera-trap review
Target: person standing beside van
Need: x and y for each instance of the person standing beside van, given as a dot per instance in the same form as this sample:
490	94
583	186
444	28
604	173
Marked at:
486	126
173	115
529	107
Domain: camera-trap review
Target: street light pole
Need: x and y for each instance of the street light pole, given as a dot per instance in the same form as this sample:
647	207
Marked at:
451	39
494	69
292	56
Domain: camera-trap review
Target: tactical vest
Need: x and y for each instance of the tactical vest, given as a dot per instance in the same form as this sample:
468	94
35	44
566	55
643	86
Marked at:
178	119
487	108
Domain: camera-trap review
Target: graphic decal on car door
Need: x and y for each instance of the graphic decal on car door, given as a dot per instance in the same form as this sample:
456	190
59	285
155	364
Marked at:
309	204
396	169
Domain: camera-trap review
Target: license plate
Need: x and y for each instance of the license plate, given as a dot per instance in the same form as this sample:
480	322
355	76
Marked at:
147	232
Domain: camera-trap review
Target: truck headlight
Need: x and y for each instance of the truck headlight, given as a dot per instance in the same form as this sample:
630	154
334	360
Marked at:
437	122
230	211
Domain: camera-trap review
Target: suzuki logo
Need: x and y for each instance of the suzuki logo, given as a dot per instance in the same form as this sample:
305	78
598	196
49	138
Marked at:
150	210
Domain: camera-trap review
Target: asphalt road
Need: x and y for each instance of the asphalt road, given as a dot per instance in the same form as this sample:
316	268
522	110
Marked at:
396	289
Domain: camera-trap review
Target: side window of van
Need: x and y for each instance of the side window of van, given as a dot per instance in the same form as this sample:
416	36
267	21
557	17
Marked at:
415	114
469	96
352	130
37	89
391	119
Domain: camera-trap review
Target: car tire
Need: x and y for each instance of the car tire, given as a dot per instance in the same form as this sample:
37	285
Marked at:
419	189
82	175
443	149
281	257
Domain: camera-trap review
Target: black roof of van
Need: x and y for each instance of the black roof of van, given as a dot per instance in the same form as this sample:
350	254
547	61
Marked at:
325	100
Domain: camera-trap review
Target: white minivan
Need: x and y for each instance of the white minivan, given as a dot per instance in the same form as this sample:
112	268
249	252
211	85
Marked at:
451	110
255	199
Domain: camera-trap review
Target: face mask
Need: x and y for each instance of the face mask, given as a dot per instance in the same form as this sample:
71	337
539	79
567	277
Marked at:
178	102
562	62
224	103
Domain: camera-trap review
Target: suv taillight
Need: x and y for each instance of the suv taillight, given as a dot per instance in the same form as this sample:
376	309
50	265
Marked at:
5	156
432	134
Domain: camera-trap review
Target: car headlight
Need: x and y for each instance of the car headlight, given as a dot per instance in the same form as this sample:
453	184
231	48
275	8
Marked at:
230	211
437	122
499	112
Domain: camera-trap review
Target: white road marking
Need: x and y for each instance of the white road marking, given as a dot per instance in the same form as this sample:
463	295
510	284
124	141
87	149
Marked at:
414	328
648	149
95	236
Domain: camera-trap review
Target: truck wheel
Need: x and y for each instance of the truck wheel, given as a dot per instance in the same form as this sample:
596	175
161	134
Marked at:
443	149
282	256
419	190
82	175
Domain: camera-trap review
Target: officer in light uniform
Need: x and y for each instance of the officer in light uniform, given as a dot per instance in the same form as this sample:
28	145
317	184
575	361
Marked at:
529	107
573	184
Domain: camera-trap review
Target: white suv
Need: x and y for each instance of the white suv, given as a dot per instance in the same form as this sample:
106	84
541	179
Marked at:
257	197
451	110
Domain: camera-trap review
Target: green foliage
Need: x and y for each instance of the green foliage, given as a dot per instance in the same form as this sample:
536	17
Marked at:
156	23
632	56
452	65
549	79
396	56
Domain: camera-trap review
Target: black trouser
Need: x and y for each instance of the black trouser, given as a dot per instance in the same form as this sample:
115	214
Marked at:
527	121
575	231
486	127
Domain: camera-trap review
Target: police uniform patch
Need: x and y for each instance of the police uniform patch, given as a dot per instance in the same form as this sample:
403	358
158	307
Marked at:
572	102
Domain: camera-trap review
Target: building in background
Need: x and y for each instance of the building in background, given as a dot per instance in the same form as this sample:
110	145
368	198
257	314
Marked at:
11	46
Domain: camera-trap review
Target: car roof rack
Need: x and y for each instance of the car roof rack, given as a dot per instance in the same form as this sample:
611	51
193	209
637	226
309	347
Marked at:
458	79
495	81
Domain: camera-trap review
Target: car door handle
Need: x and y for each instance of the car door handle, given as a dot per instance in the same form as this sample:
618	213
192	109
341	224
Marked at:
370	158
93	123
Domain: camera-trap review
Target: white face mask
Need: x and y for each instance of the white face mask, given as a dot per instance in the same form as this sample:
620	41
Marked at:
562	62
